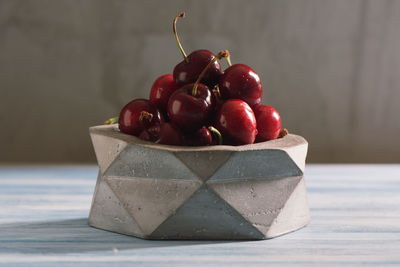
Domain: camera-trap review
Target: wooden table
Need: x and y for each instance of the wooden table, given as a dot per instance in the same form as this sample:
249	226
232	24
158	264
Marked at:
355	220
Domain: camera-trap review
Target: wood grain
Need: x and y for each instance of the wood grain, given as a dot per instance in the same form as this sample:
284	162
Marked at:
355	220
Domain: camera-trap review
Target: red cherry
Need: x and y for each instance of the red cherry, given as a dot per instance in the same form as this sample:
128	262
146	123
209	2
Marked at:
239	81
191	106
268	123
236	122
145	135
161	90
151	134
129	117
190	68
202	137
164	133
170	135
190	112
187	71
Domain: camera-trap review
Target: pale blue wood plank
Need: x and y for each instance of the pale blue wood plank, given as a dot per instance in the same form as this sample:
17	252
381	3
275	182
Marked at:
355	220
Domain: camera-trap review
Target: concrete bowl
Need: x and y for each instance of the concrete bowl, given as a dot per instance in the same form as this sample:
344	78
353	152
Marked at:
157	191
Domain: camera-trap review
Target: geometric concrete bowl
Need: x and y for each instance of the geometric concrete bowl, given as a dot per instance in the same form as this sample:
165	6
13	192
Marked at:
156	191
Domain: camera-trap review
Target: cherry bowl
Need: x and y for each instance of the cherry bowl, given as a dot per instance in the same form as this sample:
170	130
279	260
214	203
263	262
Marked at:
157	191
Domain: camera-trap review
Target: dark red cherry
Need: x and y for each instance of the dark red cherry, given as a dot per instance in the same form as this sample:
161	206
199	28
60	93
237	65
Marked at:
239	81
190	68
191	106
187	71
268	123
146	136
202	137
170	134
191	111
236	122
164	133
129	117
151	134
205	136
161	90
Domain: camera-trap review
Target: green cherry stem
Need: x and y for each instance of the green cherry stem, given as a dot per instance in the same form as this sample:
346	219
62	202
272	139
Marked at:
216	89
180	15
111	121
220	55
217	133
228	60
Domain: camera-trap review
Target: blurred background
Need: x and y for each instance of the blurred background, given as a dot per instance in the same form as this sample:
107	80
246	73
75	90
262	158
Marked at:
331	69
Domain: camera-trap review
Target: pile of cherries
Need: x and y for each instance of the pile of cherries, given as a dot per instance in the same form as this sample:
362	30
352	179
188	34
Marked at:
199	104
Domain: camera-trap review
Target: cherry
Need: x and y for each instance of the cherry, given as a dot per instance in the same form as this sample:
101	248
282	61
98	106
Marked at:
268	123
190	68
150	134
138	115
170	135
164	133
236	122
190	111
204	137
145	135
239	81
188	71
161	90
191	106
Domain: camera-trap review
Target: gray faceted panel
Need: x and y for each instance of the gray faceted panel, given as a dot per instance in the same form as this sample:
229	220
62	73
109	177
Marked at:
107	212
206	216
259	201
298	154
203	163
293	215
106	149
151	201
139	161
259	164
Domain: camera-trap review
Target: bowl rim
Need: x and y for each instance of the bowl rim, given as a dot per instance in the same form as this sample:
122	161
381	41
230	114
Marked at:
112	131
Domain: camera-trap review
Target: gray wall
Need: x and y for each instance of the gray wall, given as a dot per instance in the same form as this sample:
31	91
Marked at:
331	68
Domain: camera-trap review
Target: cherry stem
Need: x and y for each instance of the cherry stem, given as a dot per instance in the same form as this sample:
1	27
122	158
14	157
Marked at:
180	15
144	115
228	60
216	89
111	121
220	55
217	133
